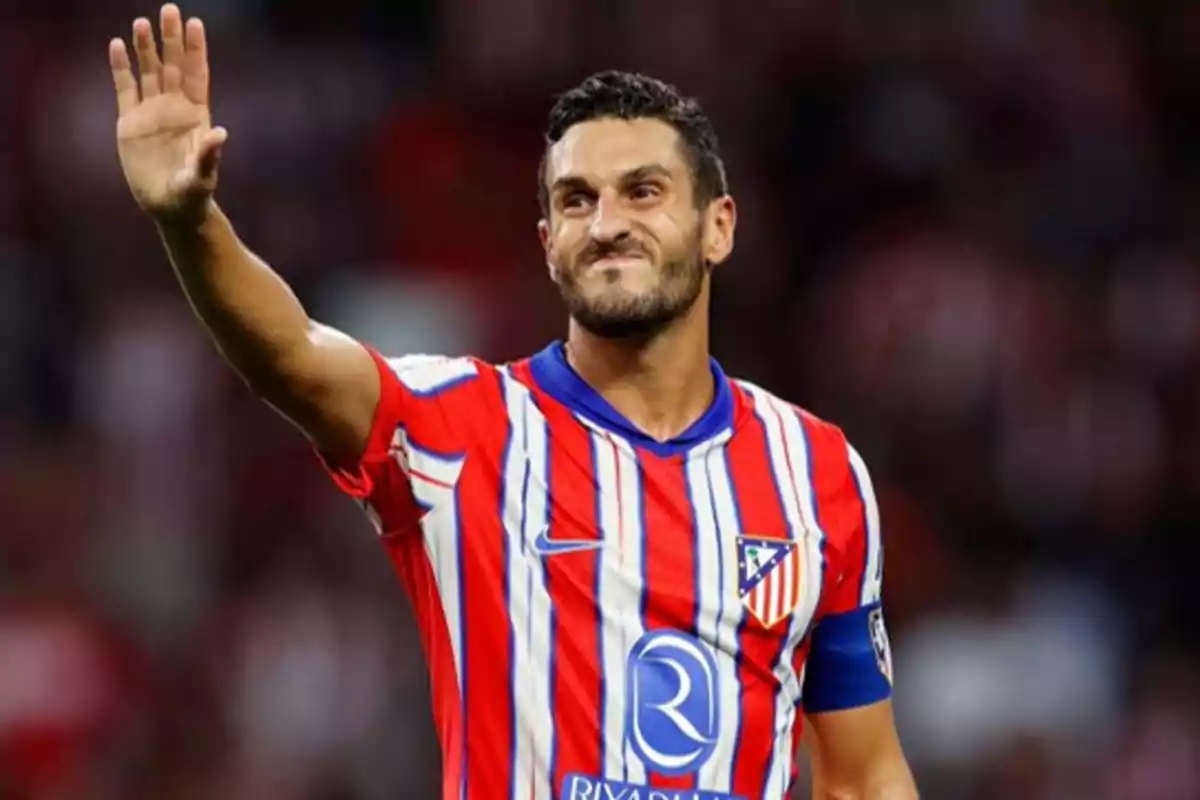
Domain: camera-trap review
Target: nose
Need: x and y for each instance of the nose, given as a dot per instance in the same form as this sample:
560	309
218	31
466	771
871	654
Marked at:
610	223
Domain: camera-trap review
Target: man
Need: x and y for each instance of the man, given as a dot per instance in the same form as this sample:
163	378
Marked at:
629	570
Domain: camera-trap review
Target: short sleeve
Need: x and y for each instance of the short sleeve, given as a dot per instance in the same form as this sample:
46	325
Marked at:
849	662
358	479
411	419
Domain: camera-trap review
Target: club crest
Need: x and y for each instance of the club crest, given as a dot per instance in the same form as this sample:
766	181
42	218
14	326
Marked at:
769	577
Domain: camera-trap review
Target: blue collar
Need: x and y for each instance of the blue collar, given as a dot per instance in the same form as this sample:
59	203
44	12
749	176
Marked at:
558	379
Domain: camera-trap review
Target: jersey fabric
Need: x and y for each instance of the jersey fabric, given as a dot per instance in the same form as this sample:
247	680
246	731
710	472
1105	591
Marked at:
604	614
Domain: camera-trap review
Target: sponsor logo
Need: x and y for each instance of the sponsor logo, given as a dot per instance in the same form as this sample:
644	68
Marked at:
769	577
673	715
582	787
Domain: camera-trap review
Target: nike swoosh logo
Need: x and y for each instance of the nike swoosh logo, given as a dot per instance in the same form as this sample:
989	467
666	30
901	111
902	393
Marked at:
543	545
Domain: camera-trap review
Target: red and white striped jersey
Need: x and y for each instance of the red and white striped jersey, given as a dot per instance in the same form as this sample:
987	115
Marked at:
608	617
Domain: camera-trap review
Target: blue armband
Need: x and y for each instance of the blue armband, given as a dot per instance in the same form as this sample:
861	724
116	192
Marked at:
850	662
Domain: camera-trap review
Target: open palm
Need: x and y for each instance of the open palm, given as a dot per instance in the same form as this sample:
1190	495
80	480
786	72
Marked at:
168	148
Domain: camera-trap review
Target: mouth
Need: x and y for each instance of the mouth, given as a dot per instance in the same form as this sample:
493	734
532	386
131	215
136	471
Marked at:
618	262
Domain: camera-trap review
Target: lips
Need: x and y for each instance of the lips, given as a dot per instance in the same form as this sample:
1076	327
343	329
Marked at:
618	259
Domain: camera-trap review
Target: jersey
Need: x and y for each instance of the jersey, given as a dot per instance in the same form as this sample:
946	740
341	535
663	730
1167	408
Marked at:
604	614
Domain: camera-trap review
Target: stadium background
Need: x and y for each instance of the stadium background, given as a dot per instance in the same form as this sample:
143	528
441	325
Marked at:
968	234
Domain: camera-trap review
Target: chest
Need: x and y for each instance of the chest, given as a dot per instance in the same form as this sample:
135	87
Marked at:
597	532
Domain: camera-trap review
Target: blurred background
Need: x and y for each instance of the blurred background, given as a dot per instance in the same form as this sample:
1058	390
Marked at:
968	235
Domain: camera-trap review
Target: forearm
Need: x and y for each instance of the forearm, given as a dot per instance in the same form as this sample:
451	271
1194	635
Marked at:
255	319
893	784
324	381
894	791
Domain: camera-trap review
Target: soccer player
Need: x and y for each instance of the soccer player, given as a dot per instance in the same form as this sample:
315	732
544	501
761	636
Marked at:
634	576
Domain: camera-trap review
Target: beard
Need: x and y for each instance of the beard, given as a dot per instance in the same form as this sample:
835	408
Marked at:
620	314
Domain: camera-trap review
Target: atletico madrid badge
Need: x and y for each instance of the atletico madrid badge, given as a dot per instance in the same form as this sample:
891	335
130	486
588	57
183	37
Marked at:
769	577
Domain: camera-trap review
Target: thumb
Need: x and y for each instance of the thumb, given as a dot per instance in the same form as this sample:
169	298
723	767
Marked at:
208	154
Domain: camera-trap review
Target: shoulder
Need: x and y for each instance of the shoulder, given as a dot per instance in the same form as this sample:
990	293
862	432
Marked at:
424	374
824	441
447	400
456	378
835	470
450	407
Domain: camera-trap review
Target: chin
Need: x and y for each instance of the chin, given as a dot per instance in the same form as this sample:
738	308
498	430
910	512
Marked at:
621	326
619	300
632	278
622	284
621	314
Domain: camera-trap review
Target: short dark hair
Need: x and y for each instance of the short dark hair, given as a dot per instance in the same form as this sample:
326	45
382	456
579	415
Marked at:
629	95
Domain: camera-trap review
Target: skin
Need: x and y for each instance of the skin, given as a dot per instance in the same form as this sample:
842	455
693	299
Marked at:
856	755
317	377
632	253
630	249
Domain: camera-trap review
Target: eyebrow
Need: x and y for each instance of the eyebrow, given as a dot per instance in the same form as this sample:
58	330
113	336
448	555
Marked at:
635	175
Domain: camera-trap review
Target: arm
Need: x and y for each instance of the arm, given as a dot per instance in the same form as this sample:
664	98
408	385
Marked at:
855	750
856	755
322	380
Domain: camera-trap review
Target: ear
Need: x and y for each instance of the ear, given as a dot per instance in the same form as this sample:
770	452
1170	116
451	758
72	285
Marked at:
720	221
543	228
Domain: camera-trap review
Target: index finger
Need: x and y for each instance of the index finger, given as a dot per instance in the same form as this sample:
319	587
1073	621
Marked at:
122	73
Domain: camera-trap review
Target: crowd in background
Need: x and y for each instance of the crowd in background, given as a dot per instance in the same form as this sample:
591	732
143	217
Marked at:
968	235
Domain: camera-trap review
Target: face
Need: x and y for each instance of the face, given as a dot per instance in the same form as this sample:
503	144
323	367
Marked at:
624	240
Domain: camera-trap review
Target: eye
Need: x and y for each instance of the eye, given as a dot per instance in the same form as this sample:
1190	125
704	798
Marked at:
645	191
575	201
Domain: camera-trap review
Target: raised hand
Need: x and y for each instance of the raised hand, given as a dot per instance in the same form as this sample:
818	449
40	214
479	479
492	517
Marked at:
168	148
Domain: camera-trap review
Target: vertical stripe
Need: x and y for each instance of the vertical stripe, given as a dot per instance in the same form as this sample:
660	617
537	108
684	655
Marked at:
612	665
798	455
620	592
721	610
602	730
669	564
639	768
489	723
871	586
434	479
731	526
763	517
462	647
788	451
409	558
525	518
788	586
629	477
541	612
512	514
708	559
774	601
800	443
571	581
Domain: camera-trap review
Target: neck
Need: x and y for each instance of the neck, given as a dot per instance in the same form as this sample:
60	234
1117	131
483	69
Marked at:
662	384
